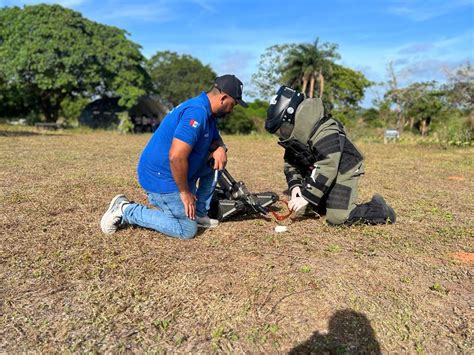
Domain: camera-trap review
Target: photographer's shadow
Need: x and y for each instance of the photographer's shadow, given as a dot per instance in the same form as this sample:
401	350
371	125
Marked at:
349	332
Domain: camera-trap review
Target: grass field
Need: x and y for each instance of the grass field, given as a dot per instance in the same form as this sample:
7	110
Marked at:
241	287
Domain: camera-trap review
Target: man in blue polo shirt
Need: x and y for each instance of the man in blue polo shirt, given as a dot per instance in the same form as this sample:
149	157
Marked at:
174	166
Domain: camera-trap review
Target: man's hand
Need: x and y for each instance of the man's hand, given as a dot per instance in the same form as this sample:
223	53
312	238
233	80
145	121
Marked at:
297	204
220	158
189	202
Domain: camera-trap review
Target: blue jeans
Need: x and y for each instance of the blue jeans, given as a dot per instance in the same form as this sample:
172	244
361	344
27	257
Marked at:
169	217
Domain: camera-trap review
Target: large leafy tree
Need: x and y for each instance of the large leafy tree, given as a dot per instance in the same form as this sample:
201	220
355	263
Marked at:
269	73
51	53
12	101
423	104
345	91
460	88
347	87
418	104
178	77
238	122
257	111
310	68
307	64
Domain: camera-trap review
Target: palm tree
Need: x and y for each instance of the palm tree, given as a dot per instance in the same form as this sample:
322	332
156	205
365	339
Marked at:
308	64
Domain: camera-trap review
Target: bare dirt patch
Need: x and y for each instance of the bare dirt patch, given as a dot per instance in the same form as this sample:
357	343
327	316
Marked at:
464	257
241	287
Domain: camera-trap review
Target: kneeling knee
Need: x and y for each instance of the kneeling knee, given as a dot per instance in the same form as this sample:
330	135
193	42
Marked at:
187	236
189	232
336	219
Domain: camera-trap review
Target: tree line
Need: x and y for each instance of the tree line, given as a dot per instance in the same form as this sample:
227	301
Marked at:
53	61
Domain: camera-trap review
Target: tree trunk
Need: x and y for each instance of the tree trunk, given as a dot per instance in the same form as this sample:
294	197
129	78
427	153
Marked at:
424	127
51	105
400	120
470	125
305	83
412	122
47	110
321	84
311	86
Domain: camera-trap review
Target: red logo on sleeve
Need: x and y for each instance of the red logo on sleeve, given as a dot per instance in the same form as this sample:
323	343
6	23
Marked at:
194	123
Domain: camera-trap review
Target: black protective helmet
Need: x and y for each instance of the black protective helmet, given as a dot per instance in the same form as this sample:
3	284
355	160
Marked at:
282	108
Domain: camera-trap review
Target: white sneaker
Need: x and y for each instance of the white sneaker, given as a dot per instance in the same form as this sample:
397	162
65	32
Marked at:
206	222
113	216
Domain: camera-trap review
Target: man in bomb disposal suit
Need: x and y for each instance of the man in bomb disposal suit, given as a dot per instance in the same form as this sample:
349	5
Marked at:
322	166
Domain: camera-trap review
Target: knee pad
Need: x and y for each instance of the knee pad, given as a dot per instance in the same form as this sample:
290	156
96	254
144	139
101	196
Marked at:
336	218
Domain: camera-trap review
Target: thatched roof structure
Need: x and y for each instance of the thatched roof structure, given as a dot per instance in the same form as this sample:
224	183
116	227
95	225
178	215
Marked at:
103	113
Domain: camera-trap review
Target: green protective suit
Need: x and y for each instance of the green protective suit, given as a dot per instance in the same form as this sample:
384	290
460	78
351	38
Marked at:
323	162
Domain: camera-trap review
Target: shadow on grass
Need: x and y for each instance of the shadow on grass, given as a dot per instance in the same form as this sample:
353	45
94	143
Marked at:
349	332
7	133
234	218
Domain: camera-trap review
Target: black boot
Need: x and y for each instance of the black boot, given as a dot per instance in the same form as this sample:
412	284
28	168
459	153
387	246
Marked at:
376	211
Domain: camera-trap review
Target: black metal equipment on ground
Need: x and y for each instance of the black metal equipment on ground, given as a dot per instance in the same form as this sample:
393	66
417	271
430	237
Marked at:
232	198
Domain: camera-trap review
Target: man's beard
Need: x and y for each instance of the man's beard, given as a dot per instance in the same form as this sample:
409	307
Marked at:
221	113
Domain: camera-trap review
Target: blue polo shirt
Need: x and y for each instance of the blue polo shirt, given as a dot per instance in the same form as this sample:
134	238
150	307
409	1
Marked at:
193	123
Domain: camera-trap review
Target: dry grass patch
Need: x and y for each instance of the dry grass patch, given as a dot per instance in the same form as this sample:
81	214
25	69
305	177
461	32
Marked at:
241	287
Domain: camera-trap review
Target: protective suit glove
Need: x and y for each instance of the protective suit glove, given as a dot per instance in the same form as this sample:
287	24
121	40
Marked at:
295	192
298	203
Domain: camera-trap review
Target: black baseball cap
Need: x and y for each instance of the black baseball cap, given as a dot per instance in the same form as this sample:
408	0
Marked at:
232	86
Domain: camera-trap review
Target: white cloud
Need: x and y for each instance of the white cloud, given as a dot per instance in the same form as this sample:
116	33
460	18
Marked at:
417	48
207	5
149	13
462	39
419	10
234	62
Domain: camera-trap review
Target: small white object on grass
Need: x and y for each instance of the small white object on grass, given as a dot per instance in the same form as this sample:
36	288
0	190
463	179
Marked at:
281	229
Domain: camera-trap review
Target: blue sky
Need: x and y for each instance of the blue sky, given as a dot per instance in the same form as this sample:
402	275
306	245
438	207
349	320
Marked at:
422	38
